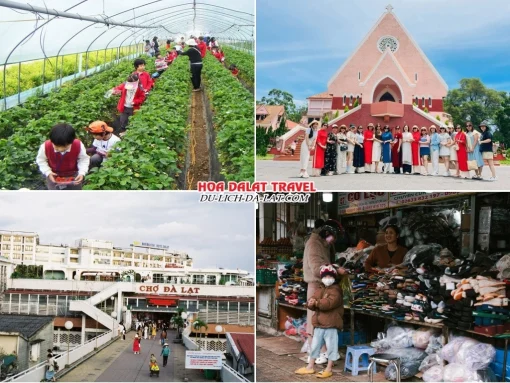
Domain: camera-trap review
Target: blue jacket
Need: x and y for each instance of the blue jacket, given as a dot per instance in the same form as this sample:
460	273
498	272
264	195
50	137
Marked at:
435	142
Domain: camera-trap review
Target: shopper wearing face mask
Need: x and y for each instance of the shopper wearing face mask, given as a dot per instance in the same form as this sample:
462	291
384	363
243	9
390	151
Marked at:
317	254
328	308
390	254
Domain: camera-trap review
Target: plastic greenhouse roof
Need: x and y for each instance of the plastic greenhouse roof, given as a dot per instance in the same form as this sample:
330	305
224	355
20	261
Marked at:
30	35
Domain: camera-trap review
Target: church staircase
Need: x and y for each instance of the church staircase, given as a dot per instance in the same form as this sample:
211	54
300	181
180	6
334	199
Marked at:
286	155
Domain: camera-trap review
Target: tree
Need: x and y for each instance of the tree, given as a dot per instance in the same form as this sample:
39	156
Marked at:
197	325
356	103
426	110
438	118
337	113
473	102
502	121
262	141
178	321
280	97
346	109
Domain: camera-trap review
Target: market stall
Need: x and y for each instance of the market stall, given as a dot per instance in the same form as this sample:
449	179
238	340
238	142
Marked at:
452	282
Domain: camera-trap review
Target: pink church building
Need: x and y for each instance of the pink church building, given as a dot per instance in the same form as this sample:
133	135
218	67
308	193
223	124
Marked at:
387	80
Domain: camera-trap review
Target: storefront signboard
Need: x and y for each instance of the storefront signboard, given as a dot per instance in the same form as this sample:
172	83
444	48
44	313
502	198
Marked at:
152	245
357	202
399	199
157	288
203	360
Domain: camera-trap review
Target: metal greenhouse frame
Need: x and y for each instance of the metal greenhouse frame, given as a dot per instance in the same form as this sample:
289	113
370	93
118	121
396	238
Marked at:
161	18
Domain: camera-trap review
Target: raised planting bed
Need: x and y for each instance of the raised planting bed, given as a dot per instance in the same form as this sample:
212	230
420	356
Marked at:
233	117
151	153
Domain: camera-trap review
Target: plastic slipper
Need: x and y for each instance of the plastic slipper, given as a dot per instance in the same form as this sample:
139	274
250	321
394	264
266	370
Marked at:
304	371
324	374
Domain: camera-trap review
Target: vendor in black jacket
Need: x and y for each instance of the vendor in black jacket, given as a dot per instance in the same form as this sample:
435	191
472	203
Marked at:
195	60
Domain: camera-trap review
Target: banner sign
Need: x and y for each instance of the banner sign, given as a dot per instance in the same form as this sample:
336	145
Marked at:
357	202
203	360
155	246
399	199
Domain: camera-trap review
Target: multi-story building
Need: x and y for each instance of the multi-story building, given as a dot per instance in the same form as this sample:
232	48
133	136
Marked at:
93	278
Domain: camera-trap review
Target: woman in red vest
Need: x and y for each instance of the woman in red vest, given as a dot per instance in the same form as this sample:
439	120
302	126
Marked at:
462	157
415	148
368	141
320	150
396	153
136	345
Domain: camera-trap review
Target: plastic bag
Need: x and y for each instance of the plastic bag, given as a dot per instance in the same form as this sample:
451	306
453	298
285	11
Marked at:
421	337
382	343
479	356
450	350
429	362
433	374
422	254
408	369
457	372
306	347
502	265
400	337
408	354
435	344
486	375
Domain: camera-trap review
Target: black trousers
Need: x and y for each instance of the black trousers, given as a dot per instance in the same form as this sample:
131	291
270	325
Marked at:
407	168
124	118
165	360
95	161
196	72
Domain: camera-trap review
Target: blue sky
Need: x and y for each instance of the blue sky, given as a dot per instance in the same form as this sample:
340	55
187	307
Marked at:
302	43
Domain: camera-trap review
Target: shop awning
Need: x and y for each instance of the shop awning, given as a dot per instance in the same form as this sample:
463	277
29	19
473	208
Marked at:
163	302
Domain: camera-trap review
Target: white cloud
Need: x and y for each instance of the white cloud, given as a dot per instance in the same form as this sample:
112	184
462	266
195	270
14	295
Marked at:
221	234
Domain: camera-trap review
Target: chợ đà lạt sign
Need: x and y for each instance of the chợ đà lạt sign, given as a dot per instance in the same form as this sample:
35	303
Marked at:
155	288
203	360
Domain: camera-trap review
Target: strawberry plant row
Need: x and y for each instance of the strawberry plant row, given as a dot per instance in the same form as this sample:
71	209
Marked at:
18	151
148	156
233	110
36	107
244	61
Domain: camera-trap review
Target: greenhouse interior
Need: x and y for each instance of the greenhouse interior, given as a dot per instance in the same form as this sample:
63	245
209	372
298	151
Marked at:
436	309
113	79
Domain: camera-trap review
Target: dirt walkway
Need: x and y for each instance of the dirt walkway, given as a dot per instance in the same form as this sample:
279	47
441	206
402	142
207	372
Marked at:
198	150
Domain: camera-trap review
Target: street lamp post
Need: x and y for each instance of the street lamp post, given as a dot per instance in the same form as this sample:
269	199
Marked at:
218	329
68	325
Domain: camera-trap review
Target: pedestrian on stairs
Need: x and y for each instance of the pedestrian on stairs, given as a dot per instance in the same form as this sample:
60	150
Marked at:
293	146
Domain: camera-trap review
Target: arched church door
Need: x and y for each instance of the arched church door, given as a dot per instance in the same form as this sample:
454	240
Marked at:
387	97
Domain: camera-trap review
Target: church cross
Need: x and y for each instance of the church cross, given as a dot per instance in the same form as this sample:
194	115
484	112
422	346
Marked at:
389	8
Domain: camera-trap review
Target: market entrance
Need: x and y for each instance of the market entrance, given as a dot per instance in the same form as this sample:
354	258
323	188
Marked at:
414	267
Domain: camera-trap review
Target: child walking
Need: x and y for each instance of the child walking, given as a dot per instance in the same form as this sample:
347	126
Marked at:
132	96
63	159
327	302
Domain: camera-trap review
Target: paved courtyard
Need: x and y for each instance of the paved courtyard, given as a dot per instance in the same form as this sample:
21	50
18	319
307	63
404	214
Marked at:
268	170
117	363
278	357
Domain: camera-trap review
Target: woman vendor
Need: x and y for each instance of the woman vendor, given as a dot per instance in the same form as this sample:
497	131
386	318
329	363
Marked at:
387	255
316	254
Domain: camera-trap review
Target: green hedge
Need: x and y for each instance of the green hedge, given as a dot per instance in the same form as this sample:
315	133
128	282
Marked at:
78	105
244	61
155	143
233	110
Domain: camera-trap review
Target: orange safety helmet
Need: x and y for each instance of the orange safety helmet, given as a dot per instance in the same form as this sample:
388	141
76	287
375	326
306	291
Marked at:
98	127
